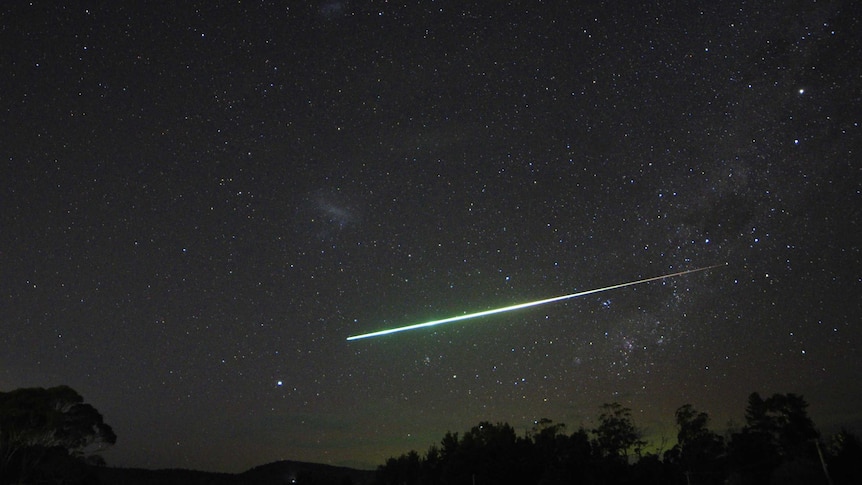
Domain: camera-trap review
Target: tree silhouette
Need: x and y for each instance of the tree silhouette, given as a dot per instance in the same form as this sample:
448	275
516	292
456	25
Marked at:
404	470
488	453
560	458
699	453
47	432
845	457
616	434
778	444
550	444
778	433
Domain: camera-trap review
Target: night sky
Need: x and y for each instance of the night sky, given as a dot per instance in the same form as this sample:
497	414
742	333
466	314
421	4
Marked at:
200	201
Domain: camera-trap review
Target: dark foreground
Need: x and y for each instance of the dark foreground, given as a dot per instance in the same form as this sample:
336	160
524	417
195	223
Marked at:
280	472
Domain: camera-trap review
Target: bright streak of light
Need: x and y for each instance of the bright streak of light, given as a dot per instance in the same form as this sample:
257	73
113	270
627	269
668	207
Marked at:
524	305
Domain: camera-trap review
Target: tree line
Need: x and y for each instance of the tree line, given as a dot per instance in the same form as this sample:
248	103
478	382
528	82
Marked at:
53	436
777	444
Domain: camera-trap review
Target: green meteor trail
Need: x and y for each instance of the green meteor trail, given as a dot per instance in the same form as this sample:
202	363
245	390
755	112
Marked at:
524	305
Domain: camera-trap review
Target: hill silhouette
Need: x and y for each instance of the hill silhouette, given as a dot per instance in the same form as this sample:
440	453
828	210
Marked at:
284	472
52	436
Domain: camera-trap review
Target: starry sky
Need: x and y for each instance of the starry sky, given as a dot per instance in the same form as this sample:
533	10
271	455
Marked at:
200	201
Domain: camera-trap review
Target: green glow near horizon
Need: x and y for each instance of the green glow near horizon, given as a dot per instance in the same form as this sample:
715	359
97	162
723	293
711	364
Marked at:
519	306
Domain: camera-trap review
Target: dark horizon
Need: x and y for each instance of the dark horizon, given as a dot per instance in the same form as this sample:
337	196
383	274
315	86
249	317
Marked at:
651	447
200	202
41	431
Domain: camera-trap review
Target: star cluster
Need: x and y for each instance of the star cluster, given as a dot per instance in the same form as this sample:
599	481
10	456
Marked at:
199	203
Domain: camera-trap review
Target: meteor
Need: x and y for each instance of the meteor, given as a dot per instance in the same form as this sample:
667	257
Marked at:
525	305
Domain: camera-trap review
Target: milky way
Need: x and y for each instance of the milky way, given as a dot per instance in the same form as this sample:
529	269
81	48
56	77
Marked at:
199	201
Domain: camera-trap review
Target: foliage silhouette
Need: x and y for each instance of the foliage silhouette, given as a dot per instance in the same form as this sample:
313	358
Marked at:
779	439
778	444
699	454
49	434
844	457
616	434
